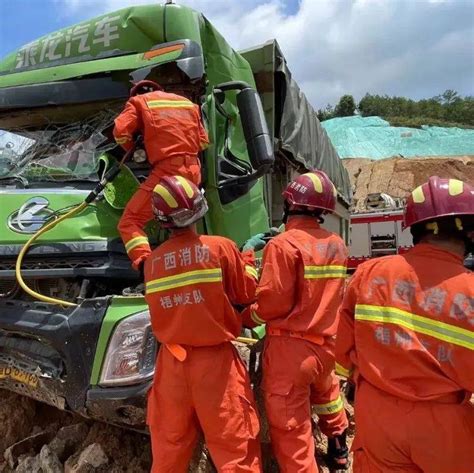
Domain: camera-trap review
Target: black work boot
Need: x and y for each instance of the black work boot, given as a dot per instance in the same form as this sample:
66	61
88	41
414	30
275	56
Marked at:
337	458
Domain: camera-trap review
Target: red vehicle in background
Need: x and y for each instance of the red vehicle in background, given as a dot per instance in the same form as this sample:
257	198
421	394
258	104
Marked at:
377	230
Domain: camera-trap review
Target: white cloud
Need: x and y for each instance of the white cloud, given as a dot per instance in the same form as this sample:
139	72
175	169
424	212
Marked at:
416	48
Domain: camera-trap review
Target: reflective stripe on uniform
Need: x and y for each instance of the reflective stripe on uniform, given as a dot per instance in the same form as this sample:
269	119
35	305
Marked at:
439	330
122	140
340	370
323	272
134	242
251	270
184	279
254	316
170	104
330	407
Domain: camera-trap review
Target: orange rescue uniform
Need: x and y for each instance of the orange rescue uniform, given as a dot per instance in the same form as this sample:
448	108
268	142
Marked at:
173	136
193	285
406	336
300	289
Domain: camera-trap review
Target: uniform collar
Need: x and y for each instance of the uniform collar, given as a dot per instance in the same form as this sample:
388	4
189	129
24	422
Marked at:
435	252
301	221
183	232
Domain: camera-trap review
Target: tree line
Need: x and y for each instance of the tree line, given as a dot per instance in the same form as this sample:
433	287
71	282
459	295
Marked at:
447	109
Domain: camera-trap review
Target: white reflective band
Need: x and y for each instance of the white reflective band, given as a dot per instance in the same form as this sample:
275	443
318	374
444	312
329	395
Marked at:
330	407
439	330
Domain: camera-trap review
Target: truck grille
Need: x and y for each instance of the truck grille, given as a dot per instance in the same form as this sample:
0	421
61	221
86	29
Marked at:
54	263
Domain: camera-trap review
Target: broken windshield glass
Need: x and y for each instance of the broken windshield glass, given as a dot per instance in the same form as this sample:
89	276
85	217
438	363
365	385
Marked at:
56	153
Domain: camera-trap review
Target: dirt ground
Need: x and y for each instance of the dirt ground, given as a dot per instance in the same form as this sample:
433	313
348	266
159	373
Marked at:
37	438
399	176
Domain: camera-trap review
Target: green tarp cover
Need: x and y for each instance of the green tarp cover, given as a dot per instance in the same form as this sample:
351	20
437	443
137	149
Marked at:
298	133
373	137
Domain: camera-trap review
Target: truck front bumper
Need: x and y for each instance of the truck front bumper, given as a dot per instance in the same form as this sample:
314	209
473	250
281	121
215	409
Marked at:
124	406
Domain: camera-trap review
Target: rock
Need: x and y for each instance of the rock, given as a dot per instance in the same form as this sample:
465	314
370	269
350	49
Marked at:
60	448
68	440
90	459
30	444
75	433
29	465
49	461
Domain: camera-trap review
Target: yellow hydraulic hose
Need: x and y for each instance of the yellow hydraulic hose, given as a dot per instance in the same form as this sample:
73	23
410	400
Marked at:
247	341
108	177
79	208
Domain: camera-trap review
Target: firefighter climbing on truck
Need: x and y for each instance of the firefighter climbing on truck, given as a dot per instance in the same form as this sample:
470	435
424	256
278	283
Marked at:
406	338
173	136
299	292
193	285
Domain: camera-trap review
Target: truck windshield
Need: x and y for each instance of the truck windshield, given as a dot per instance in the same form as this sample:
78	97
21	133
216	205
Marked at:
56	153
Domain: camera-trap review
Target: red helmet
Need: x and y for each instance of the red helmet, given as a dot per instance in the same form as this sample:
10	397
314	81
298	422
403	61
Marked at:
438	198
177	202
144	86
313	190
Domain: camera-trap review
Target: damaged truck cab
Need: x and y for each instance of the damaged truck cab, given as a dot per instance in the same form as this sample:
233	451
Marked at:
59	96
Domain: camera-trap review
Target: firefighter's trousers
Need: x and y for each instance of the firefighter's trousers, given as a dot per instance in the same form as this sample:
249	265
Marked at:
399	436
138	211
296	374
209	391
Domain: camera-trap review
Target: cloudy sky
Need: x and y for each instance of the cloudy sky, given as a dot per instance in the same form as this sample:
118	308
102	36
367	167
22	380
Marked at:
414	48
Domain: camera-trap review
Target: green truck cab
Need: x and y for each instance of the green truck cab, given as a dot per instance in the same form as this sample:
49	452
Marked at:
58	98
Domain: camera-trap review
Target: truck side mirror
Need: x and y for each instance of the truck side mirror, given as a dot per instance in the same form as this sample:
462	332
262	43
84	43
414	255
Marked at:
257	136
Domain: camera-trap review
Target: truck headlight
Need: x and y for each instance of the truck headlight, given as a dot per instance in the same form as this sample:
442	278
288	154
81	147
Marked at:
131	354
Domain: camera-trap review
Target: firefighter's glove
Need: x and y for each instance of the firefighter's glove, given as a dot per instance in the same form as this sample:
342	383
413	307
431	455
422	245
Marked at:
256	243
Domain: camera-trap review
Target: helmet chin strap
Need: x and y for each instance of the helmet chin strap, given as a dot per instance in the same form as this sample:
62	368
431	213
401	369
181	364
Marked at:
309	213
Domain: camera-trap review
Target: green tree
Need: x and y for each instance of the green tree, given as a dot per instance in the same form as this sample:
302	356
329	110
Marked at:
371	105
346	106
326	114
448	97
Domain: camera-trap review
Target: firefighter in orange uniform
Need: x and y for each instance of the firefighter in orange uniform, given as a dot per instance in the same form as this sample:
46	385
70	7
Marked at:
300	290
173	136
406	337
193	285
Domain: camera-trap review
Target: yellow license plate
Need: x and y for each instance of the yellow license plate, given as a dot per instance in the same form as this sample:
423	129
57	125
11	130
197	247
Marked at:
18	375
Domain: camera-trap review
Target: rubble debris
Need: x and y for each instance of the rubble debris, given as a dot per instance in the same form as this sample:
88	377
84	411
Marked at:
89	460
49	461
68	439
29	465
76	445
29	444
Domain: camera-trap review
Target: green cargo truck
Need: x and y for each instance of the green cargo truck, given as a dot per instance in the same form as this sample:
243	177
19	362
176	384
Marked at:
58	98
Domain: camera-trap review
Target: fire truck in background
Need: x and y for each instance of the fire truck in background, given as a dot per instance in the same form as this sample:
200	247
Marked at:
377	230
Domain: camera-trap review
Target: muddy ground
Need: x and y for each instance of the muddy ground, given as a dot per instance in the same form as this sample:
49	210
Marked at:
36	438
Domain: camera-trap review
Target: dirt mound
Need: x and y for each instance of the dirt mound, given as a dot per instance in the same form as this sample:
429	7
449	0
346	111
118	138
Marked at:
398	176
35	438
